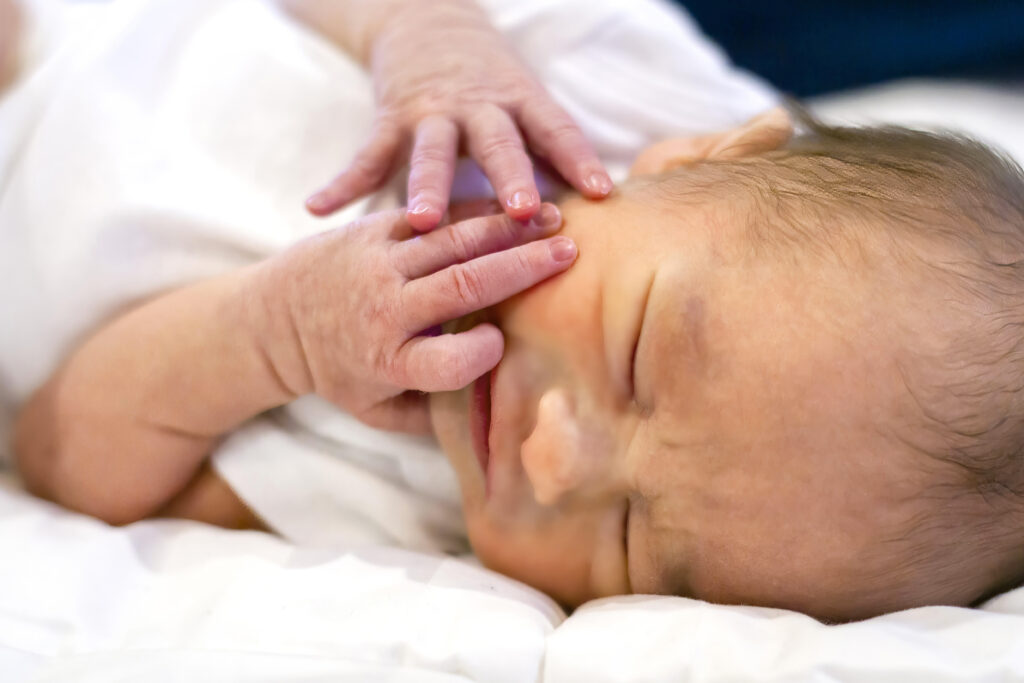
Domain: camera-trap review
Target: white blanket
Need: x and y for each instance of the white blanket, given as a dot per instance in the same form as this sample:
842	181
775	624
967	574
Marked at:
178	601
174	601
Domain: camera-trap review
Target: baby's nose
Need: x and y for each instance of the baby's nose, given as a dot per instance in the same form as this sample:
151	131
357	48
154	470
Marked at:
560	456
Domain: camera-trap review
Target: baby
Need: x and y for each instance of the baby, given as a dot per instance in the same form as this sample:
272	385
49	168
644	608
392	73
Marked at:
778	374
790	378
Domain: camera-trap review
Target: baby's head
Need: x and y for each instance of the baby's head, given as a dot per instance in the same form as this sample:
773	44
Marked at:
778	374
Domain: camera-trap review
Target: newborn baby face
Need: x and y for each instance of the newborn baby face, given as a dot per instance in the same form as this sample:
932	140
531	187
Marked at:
676	415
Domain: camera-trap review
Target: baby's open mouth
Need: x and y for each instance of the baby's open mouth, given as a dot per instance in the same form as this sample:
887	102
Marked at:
480	420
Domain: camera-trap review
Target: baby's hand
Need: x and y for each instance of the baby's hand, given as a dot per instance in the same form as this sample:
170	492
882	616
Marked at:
352	314
441	73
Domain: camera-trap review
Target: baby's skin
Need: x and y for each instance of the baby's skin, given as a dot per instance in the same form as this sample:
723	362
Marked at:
639	423
126	424
123	429
674	416
619	425
393	290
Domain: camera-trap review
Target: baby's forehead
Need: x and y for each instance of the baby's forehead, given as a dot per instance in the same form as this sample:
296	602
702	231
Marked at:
782	209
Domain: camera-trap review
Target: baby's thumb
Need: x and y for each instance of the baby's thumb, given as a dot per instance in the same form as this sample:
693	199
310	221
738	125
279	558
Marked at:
450	361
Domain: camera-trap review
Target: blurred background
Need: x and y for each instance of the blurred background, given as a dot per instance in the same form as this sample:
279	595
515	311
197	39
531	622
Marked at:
810	47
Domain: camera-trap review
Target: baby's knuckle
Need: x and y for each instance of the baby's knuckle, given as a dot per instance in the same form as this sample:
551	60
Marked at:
389	123
494	148
430	120
560	132
522	262
370	166
437	127
429	155
461	243
397	374
426	108
455	370
390	366
509	229
477	93
467	284
400	309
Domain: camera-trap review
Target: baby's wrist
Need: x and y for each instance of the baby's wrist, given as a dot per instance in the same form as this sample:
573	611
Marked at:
406	21
270	325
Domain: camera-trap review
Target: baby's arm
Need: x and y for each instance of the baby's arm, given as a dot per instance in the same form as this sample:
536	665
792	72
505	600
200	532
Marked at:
126	423
123	429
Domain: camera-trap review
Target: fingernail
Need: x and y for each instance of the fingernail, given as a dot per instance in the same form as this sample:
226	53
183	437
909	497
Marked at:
562	249
419	209
598	183
317	201
549	218
520	200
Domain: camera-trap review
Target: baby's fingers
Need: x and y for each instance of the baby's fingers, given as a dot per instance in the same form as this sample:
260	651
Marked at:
368	171
494	142
467	287
470	239
553	134
449	361
431	168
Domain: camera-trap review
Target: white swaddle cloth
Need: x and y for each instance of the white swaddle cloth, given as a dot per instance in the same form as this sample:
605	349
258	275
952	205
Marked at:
159	142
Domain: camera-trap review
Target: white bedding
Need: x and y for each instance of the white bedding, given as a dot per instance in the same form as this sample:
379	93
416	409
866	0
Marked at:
170	600
175	601
178	601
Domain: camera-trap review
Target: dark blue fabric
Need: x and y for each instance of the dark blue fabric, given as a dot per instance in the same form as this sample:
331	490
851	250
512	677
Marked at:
806	47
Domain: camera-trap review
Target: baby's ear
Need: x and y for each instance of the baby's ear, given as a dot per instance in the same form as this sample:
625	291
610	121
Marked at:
763	133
